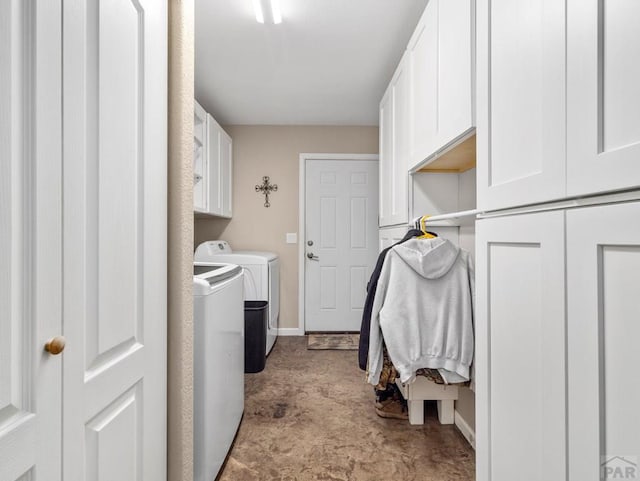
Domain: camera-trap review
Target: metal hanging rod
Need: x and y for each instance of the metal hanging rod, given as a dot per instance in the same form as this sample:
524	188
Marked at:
453	215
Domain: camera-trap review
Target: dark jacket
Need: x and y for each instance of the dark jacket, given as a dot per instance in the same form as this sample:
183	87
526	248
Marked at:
363	349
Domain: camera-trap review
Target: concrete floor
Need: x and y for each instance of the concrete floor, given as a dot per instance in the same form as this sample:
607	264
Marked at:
309	416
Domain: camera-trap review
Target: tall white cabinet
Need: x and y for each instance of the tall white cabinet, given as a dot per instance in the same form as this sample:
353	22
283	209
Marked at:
558	249
427	141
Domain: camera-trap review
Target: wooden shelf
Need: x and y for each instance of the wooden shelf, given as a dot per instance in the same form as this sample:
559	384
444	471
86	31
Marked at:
457	158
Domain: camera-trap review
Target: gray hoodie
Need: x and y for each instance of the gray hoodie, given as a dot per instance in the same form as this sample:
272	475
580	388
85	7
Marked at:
424	309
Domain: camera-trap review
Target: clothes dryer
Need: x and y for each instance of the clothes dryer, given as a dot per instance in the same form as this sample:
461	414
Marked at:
261	277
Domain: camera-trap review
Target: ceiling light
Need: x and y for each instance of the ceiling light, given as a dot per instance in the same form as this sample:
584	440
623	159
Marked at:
267	10
275	11
257	6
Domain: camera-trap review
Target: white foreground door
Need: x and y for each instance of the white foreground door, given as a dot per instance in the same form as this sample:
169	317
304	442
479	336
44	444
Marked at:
114	230
30	240
82	240
341	200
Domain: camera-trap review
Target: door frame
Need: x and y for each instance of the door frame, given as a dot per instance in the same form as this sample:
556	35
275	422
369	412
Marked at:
300	330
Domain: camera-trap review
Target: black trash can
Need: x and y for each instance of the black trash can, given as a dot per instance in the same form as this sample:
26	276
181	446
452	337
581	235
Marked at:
255	335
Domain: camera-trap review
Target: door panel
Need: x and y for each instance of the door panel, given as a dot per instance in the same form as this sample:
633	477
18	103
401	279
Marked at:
603	267
520	348
603	102
341	213
114	439
115	231
30	240
521	102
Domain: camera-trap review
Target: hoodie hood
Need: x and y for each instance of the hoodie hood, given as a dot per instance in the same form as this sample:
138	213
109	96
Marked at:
430	258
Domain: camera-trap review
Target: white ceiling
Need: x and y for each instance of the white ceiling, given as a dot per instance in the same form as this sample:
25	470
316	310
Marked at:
327	63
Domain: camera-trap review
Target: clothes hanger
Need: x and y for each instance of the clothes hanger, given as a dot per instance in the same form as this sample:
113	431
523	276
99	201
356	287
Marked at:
423	227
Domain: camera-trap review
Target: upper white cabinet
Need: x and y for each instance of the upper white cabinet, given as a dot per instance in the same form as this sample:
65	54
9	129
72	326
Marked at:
428	108
440	58
212	166
394	177
220	169
200	164
603	100
521	101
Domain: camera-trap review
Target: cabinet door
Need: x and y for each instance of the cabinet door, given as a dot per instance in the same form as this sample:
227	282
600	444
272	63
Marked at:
388	237
456	39
603	280
386	156
422	57
394	175
226	174
214	147
520	348
400	169
200	164
521	102
603	100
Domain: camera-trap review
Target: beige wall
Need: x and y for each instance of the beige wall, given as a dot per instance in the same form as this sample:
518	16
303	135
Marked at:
180	242
466	406
275	151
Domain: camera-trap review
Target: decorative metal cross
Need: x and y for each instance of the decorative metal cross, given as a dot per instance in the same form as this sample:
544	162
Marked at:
266	188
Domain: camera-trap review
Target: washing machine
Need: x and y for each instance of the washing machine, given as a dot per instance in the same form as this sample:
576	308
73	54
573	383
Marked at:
261	277
218	351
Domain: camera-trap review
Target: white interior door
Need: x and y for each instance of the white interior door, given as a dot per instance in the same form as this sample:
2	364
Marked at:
341	215
114	185
30	240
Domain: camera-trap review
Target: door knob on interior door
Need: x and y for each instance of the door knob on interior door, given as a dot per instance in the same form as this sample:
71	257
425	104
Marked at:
55	345
313	257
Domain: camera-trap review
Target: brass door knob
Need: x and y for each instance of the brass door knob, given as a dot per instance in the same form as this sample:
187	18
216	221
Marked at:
55	345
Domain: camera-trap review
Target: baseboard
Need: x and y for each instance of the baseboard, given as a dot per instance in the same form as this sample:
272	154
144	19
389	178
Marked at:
465	429
290	331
